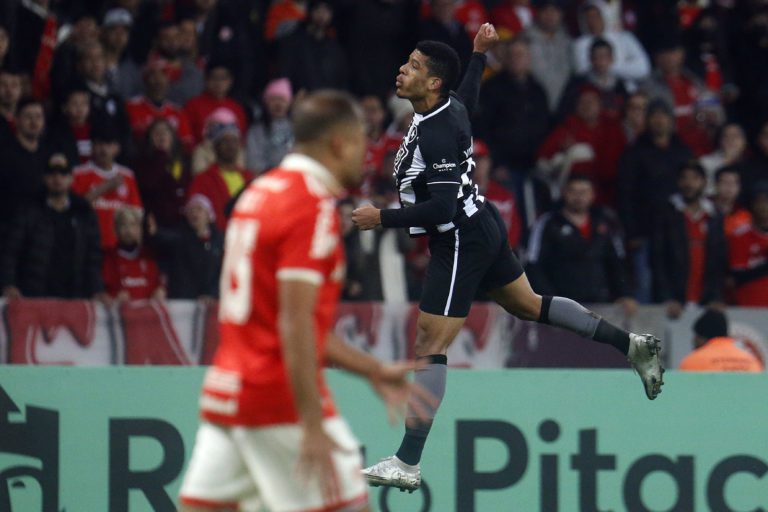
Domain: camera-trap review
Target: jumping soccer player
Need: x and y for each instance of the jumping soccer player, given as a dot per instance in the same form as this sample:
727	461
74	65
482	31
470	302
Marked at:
467	241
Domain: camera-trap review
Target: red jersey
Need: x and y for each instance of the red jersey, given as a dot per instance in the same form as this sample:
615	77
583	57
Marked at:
200	107
133	271
505	202
89	176
284	226
697	239
748	249
141	112
83	141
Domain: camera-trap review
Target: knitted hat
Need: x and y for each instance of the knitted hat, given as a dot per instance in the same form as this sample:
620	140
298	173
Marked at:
280	88
203	201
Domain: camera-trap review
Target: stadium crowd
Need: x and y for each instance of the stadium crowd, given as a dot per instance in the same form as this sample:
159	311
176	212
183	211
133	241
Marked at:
624	142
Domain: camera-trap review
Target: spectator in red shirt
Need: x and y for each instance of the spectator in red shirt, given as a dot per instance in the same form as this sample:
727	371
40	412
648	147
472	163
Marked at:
129	270
688	245
283	17
71	133
224	179
513	15
108	185
726	200
748	254
143	110
218	84
697	110
588	142
486	178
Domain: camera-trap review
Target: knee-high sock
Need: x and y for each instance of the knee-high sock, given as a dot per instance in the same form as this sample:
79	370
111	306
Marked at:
570	315
432	378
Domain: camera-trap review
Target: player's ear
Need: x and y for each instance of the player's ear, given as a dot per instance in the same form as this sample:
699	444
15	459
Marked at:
434	84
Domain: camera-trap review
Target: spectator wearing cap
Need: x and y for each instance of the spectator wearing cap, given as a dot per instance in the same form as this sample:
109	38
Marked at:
613	89
441	25
311	57
107	185
204	154
10	94
688	246
630	61
123	74
224	179
185	79
191	253
142	110
106	104
577	250
23	159
269	140
697	110
550	50
52	248
587	142
163	174
715	351
81	31
70	131
130	271
218	84
748	253
647	177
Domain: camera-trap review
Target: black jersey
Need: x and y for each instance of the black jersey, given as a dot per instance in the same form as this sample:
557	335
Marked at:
437	149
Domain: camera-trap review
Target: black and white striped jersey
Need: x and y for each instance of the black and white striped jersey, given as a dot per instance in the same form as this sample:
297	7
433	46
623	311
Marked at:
437	150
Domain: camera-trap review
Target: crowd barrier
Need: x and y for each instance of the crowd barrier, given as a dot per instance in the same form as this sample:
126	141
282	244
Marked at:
50	332
119	438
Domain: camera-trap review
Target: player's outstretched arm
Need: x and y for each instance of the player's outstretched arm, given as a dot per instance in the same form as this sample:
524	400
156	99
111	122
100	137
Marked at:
390	381
469	90
297	334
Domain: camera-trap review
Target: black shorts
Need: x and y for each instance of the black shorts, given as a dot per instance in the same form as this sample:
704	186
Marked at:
472	259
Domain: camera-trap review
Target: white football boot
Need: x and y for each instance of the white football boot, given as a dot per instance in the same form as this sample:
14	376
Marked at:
644	357
392	472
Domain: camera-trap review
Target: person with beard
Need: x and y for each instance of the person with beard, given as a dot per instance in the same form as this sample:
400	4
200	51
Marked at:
688	245
122	71
185	80
52	248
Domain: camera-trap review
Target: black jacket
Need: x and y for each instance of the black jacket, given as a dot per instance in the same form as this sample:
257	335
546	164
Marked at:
27	258
670	258
562	262
192	265
312	63
647	177
513	118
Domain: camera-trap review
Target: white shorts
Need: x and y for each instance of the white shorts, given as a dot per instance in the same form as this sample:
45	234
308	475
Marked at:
244	468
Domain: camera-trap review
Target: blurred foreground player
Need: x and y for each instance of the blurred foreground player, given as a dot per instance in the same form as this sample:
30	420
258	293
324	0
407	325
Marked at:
270	434
467	241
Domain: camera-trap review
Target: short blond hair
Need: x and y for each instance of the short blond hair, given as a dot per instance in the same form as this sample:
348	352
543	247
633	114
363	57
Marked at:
128	213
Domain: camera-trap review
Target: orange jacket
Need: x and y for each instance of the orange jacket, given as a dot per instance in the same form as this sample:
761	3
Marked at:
721	355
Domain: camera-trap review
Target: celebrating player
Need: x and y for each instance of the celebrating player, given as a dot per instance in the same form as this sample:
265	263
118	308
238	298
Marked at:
266	409
467	241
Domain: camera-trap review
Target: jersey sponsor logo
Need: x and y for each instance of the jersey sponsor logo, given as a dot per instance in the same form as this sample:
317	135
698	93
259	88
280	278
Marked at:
444	166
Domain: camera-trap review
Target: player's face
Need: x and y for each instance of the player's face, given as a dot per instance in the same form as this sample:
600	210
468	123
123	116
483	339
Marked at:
413	81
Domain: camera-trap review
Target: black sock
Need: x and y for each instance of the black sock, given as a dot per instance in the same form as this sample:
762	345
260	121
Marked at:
568	314
432	378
